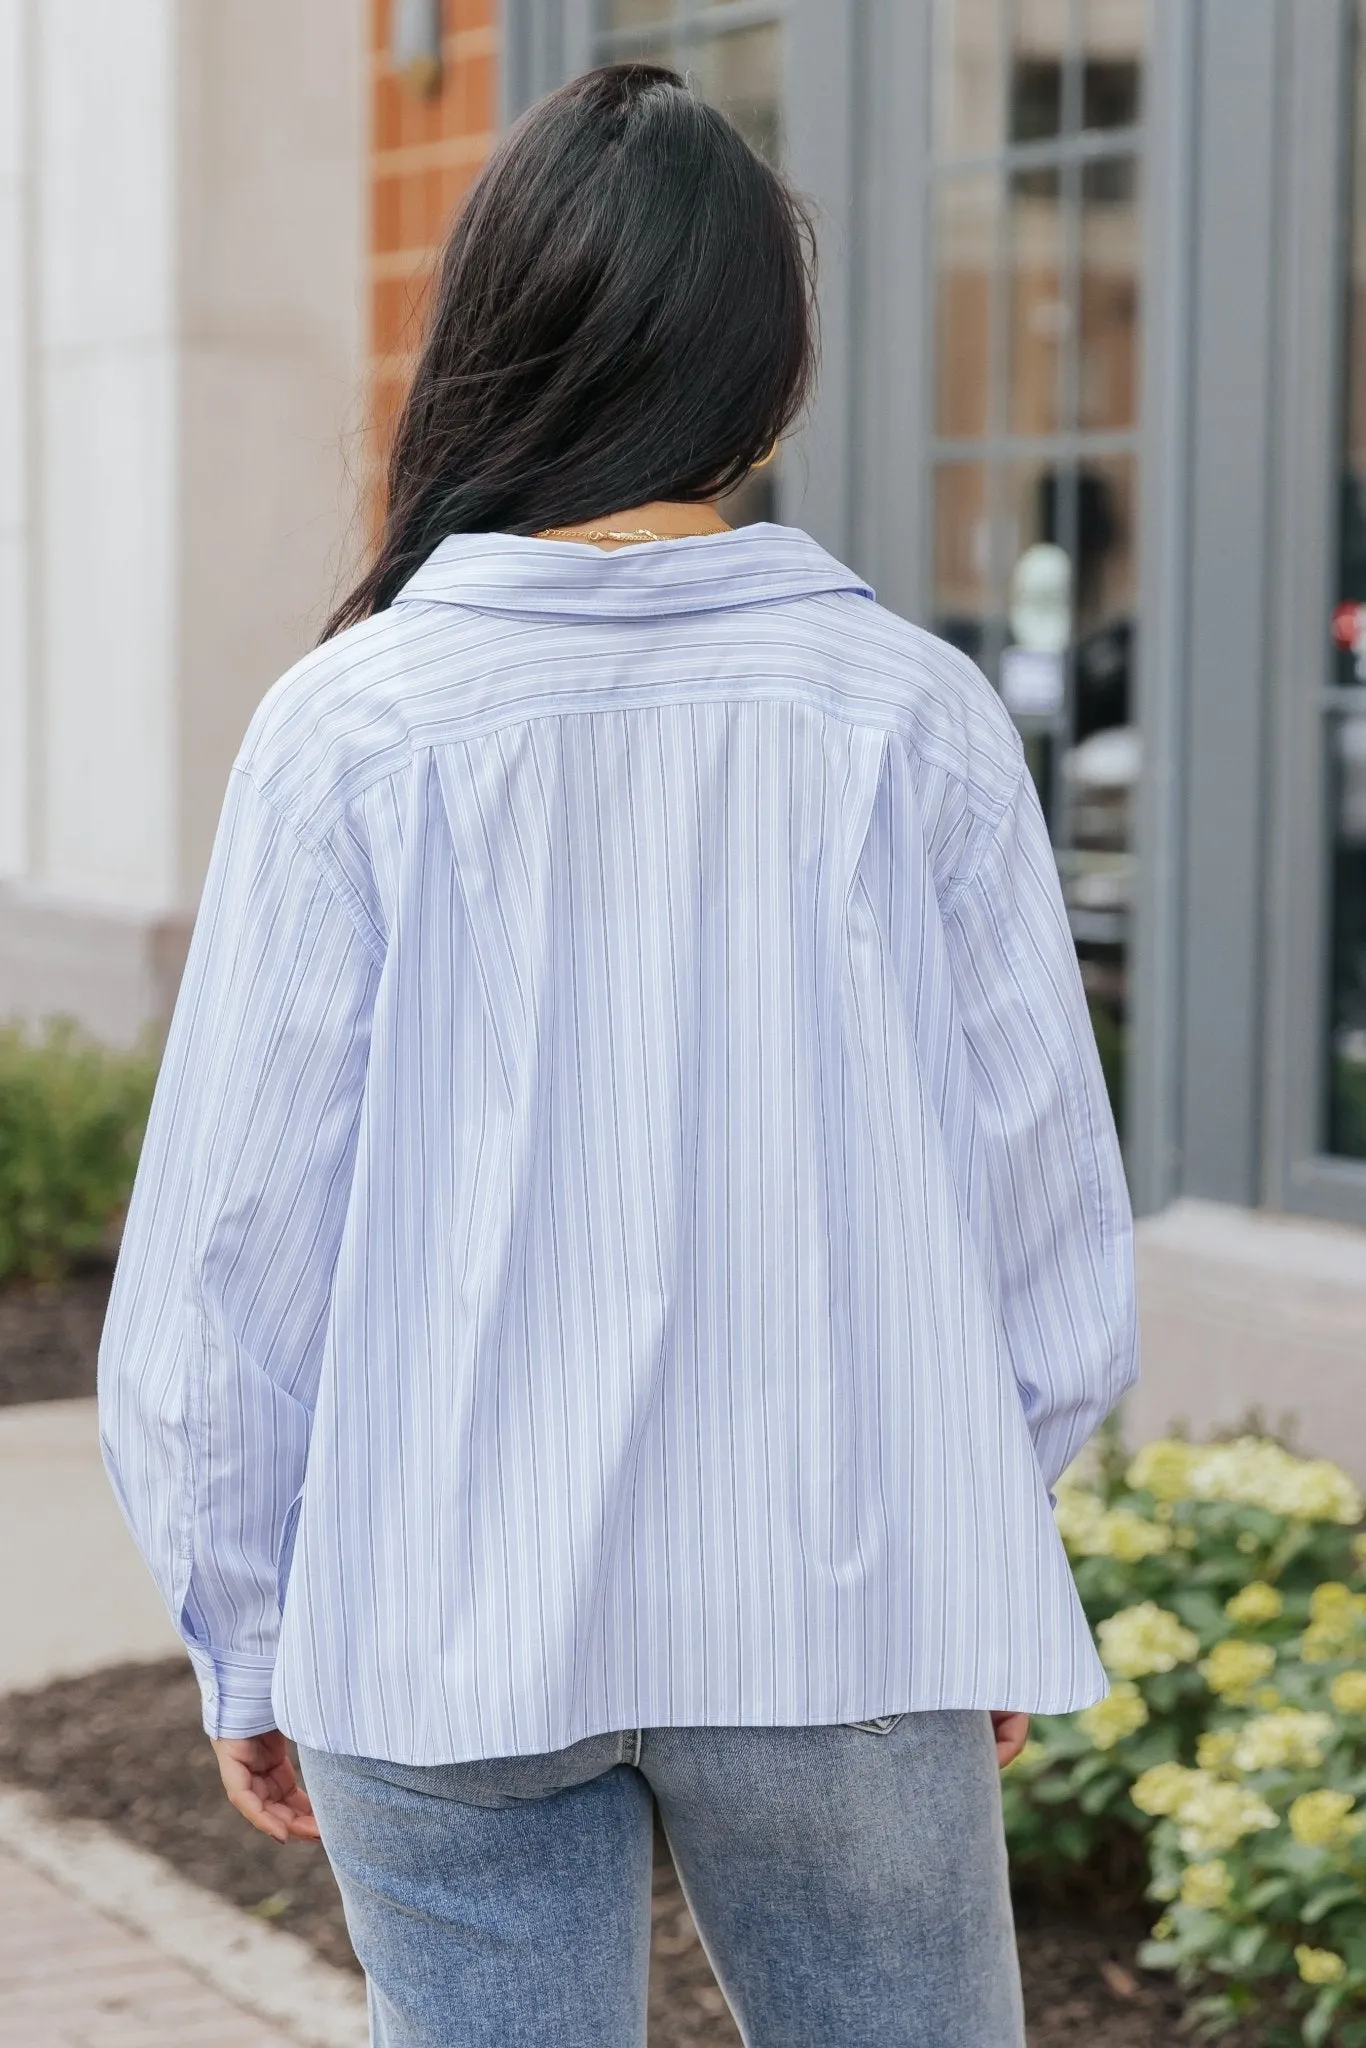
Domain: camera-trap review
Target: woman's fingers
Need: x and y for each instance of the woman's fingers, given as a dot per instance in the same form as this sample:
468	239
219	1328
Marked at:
259	1779
1012	1733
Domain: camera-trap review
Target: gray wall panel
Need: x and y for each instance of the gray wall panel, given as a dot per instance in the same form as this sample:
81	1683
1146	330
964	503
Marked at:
1226	668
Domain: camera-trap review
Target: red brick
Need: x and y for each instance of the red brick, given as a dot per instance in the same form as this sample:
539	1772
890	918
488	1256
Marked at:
412	208
388	111
386	214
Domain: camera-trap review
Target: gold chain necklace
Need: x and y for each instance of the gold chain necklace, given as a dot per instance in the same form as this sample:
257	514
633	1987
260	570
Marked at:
627	535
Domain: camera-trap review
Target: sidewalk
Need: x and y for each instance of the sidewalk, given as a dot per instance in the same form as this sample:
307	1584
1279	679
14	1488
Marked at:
72	1978
102	1945
74	1593
105	1946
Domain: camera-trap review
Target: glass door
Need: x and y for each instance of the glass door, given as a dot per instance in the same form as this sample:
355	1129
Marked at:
1036	236
1344	710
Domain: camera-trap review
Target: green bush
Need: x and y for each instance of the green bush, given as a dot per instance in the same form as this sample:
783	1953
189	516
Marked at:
1230	1754
72	1112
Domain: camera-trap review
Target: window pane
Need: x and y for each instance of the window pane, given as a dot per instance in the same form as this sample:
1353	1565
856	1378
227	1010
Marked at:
1038	309
636	13
962	557
967	216
742	74
1106	545
1116	34
967	77
1107	561
1344	1090
1347	1051
1350	631
1039	50
1111	269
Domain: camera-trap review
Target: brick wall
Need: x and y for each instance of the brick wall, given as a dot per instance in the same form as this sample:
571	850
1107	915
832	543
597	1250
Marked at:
424	153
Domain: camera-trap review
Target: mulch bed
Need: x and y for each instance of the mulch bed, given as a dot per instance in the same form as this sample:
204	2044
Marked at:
49	1335
124	1746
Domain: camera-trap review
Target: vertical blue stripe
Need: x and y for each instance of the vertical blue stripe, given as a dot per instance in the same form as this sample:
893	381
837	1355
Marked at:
630	1226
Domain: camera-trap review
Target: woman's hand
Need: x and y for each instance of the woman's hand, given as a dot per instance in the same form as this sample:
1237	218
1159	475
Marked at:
1012	1733
261	1783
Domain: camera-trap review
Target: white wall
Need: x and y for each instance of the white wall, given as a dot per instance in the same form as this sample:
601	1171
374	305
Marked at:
106	366
180	372
14	400
272	235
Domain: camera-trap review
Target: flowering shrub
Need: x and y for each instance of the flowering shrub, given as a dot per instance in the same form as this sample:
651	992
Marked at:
1228	1596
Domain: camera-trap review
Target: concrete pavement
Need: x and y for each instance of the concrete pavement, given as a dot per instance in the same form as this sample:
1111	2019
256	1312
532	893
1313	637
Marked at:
101	1945
70	1977
74	1594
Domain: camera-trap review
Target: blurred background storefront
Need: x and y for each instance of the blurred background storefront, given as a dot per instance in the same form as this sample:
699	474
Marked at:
1094	407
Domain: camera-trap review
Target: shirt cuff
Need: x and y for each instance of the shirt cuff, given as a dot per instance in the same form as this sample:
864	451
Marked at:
235	1691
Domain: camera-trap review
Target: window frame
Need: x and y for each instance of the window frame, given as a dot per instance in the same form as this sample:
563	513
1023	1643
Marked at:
1310	396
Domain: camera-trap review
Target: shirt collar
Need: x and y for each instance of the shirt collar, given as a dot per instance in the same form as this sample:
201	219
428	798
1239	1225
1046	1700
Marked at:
511	572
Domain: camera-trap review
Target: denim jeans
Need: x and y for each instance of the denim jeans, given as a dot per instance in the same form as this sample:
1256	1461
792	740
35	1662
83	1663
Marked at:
849	1884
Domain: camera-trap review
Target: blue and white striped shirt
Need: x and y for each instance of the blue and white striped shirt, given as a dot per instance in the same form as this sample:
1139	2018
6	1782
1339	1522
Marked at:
630	1225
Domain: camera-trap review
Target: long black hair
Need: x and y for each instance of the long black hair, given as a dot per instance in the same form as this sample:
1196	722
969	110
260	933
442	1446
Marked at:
625	311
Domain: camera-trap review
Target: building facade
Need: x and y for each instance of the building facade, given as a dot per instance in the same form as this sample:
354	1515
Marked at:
182	192
1093	405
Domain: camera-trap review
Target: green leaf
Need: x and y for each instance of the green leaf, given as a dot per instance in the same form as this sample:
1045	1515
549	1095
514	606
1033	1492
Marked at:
1324	1901
1266	1894
1319	2024
1245	1946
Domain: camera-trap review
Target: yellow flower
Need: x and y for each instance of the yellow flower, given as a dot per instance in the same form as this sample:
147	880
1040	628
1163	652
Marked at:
1255	1602
1207	1886
1233	1667
1332	1601
1162	1468
1318	1820
1267	1698
1261	1474
1185	1539
1359	1551
1163	1929
1317	1490
1078	1513
1122	1713
1337	1617
1247	1543
1127	1536
1211	1813
1348	1692
1290	1740
1145	1638
1091	1530
1214	1815
1319	1965
1161	1789
1214	1749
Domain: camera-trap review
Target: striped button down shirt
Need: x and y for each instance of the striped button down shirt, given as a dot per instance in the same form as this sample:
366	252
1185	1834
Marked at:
630	1225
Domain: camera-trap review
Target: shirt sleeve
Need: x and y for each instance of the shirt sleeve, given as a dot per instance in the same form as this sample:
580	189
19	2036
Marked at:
209	1357
1061	1224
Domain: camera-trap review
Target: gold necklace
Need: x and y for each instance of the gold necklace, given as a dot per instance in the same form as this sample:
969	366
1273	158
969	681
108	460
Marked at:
627	535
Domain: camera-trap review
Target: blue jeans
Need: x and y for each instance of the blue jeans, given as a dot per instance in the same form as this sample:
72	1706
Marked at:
849	1884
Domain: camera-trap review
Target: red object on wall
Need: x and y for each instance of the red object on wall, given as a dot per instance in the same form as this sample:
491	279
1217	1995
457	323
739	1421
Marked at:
1349	626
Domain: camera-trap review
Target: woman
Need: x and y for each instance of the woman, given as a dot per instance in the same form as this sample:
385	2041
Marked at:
630	1226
